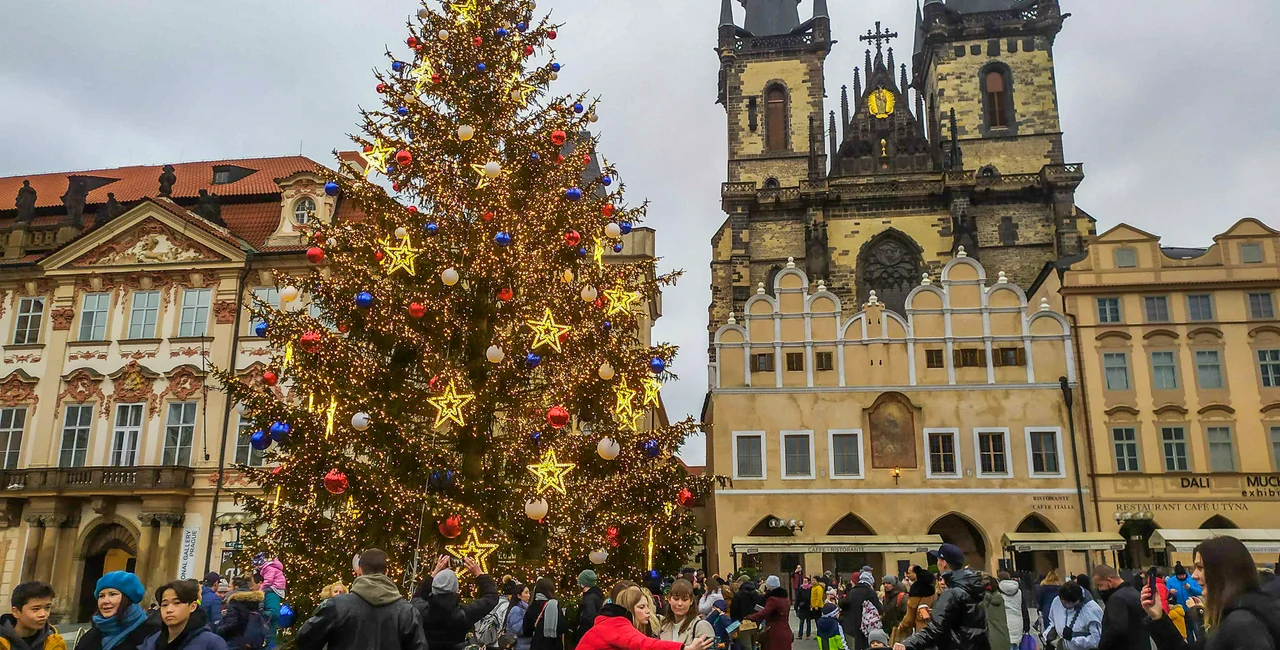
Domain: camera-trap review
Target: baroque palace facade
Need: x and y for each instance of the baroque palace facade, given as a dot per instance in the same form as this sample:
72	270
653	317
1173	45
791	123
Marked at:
120	290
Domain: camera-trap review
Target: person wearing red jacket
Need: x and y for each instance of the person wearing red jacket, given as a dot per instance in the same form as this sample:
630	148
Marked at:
776	614
617	628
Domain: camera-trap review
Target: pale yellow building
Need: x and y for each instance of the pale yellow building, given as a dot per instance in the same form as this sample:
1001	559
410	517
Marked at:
1181	367
865	437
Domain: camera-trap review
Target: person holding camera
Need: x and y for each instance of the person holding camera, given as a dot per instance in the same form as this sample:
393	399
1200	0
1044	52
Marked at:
1073	623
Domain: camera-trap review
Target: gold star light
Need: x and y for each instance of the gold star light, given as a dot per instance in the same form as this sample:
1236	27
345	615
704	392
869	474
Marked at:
484	178
597	254
466	11
376	158
550	472
449	406
652	391
518	83
621	301
625	409
400	256
547	332
474	548
422	76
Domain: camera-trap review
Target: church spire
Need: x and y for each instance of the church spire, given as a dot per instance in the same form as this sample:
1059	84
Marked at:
831	137
820	9
844	108
726	13
771	17
903	82
857	86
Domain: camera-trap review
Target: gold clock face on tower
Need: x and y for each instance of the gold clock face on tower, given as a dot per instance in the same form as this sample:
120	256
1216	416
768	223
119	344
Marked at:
880	103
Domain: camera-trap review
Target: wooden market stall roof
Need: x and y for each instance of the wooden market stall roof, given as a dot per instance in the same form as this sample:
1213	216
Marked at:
1257	540
1023	542
838	544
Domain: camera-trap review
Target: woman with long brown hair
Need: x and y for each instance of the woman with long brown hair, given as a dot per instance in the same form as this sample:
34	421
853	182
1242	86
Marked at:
618	626
1237	614
680	620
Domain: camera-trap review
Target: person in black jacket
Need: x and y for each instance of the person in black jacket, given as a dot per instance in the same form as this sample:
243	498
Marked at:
374	616
544	622
744	604
958	620
851	611
445	620
1123	623
592	602
244	609
1238	614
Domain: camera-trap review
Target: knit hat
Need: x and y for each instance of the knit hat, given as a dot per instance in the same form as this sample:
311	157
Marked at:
952	554
124	582
587	578
865	578
445	582
830	609
1179	570
877	635
772	582
892	581
211	578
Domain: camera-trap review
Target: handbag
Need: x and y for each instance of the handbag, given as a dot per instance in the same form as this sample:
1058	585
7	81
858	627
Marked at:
1028	642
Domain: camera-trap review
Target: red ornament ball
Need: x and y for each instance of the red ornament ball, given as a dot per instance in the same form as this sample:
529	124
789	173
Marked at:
277	469
528	50
558	417
612	535
572	238
403	157
685	498
558	137
488	216
551	34
336	482
586	160
436	78
451	527
559	158
310	341
477	41
506	294
381	88
343	327
417	309
418	47
368	148
564	336
318	237
411	41
395	186
270	377
609	209
315	255
378	255
413	209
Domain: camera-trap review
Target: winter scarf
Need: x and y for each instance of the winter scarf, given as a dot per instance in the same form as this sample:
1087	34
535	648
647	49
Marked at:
550	617
116	628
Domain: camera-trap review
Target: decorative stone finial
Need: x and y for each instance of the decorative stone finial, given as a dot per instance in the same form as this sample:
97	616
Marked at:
791	262
732	320
960	252
924	280
822	285
760	289
1044	304
1002	279
872	299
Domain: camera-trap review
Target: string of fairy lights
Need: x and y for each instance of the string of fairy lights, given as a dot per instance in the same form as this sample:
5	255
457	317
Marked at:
475	361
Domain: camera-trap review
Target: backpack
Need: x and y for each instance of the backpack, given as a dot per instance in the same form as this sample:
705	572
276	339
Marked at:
489	630
255	631
870	617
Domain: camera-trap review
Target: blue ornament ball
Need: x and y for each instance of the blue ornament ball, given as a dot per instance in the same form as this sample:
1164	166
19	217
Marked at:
617	248
625	227
582	252
279	430
432	229
481	67
657	365
501	32
573	194
331	188
521	27
397	66
391	169
286	615
364	300
260	329
579	108
402	111
555	67
260	440
502	239
651	448
536	435
532	360
535	157
606	181
606	326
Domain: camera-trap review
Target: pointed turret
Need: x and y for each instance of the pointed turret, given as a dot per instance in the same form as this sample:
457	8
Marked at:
771	17
903	84
844	110
726	13
820	9
857	88
831	138
889	66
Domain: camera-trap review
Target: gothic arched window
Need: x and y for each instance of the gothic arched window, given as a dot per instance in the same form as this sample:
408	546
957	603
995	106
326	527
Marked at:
775	119
997	94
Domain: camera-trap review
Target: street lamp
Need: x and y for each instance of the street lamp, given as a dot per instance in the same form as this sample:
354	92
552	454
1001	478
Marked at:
791	524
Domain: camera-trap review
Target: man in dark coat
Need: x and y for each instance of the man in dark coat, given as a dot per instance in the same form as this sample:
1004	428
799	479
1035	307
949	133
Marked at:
959	619
592	601
895	602
238	626
373	616
851	610
210	602
1123	621
444	618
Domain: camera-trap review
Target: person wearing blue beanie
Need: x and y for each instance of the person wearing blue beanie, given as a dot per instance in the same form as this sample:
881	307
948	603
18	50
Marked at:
121	623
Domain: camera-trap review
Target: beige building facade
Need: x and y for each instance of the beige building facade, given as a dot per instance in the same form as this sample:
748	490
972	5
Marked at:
863	437
1181	365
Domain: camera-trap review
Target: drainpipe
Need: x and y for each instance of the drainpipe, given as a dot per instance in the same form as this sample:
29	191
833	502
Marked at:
1075	461
1084	407
226	412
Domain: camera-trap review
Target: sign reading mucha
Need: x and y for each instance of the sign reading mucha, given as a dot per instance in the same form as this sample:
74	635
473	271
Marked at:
892	423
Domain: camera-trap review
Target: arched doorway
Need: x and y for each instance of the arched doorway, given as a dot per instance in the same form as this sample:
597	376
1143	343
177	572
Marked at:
956	529
849	564
1218	522
780	563
110	547
1037	562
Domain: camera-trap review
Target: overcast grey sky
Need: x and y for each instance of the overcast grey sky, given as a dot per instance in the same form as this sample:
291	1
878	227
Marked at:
1167	102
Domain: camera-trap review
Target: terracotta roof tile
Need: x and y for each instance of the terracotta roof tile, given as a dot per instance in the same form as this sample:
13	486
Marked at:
254	222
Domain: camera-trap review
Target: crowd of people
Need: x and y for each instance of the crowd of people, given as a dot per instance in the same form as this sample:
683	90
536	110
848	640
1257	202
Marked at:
1221	603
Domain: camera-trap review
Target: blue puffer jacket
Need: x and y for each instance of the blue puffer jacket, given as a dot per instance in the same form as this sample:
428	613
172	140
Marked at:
196	636
211	603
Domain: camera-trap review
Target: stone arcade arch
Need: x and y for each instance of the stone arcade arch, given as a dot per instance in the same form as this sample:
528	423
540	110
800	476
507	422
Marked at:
1218	522
1037	562
109	546
955	528
848	564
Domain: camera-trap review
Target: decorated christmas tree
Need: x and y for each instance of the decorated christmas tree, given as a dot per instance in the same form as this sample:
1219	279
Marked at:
471	378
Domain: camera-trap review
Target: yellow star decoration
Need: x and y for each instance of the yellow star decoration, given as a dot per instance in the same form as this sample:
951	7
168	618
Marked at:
474	548
422	76
668	508
551	472
625	409
466	11
449	406
621	301
376	158
484	178
518	83
597	254
652	391
546	331
400	256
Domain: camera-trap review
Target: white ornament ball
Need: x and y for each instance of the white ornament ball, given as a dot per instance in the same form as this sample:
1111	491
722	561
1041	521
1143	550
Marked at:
606	371
331	242
360	421
555	75
466	132
492	169
288	294
593	117
517	95
424	13
589	293
401	233
613	230
444	34
242	408
449	277
608	448
599	556
494	354
536	509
